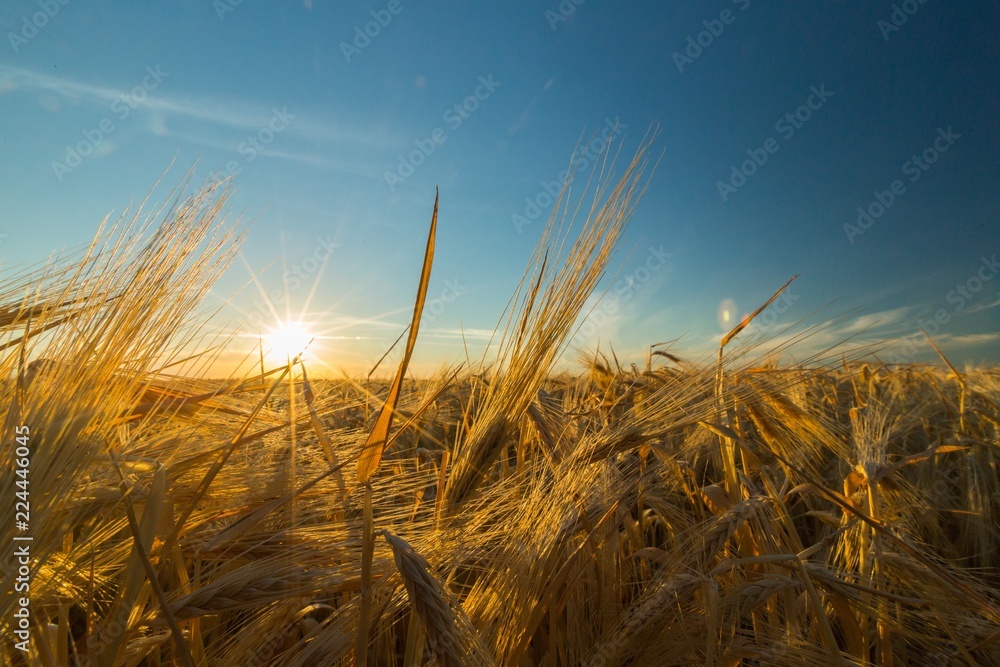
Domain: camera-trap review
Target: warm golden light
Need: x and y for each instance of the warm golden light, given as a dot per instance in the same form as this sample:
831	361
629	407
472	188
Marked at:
726	314
286	341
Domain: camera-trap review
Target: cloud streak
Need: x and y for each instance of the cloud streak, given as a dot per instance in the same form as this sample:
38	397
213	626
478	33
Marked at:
232	113
882	333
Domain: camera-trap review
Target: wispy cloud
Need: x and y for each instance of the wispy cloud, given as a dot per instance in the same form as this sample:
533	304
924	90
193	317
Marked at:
880	321
966	340
880	333
232	113
321	161
848	333
349	322
989	305
458	334
528	110
347	166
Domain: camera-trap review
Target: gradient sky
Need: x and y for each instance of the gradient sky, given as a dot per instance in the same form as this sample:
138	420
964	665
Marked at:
886	83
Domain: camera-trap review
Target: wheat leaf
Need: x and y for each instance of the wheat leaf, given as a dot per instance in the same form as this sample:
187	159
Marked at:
371	454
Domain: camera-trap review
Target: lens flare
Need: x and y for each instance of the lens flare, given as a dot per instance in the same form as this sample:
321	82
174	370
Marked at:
727	314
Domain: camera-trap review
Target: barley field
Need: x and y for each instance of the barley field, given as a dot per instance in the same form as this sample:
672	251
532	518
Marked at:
725	510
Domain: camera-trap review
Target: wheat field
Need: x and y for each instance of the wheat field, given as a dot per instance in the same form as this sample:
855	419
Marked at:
726	510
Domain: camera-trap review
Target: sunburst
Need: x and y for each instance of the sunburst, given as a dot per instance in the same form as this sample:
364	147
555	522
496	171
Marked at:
287	340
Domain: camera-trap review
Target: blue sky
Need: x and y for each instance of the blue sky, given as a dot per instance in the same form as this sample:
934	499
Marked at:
777	121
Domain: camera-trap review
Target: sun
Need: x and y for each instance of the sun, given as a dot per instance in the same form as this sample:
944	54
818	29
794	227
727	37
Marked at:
287	340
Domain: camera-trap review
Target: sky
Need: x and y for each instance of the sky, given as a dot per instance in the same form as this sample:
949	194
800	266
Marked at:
852	144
